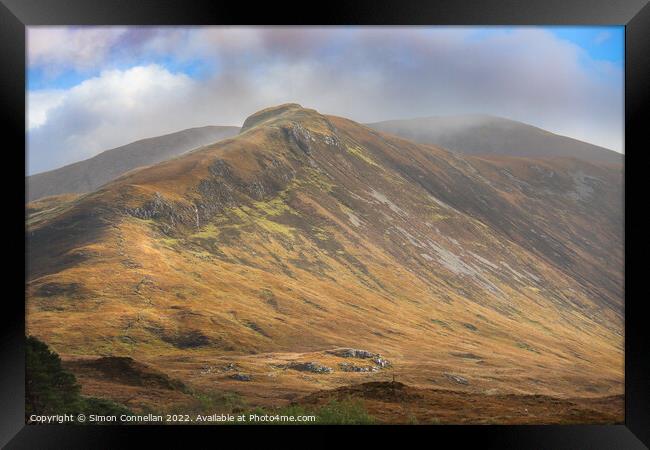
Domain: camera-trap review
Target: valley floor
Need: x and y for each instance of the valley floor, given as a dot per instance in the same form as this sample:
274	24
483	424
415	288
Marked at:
391	395
240	275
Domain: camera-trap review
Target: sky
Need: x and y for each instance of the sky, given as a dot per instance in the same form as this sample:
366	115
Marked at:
90	89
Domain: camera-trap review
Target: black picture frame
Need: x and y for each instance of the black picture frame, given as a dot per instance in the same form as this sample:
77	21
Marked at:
15	15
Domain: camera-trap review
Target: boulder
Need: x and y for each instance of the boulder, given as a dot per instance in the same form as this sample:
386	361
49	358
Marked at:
349	367
353	353
309	367
456	378
240	377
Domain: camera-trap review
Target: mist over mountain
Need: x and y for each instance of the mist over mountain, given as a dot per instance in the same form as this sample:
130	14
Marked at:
249	263
468	134
490	135
88	175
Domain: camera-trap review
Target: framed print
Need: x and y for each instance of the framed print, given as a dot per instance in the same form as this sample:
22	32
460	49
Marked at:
385	217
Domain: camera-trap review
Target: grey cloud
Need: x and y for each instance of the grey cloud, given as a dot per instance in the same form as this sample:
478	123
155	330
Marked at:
366	74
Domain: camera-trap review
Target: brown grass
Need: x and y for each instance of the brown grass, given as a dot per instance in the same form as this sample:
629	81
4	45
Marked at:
289	276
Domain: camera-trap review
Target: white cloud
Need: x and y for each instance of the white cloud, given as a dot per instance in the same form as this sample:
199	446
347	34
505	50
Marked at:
104	112
367	74
57	48
39	103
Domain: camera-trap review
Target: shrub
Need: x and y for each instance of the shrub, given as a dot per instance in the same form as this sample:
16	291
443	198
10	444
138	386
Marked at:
345	412
220	402
103	407
50	389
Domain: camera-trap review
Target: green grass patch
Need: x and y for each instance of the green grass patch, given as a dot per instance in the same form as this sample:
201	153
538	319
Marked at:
250	216
344	412
210	231
361	154
273	207
221	402
314	177
335	412
274	227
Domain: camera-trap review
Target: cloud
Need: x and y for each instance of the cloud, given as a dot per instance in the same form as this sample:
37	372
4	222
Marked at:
40	103
602	37
106	111
367	74
59	48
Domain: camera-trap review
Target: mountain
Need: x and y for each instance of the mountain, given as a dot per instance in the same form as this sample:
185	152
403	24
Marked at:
88	175
310	252
489	135
471	134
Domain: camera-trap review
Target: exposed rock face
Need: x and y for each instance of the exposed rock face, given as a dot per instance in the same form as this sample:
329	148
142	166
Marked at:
307	230
160	208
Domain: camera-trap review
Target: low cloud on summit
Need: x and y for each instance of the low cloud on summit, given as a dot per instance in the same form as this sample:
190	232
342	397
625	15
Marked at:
94	88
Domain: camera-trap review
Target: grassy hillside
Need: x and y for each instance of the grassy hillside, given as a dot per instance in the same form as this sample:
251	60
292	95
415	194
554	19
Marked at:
238	264
87	175
490	135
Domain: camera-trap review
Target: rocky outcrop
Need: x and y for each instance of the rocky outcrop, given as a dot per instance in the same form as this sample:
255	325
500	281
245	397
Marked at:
353	353
210	369
350	367
456	379
240	377
166	212
309	367
380	361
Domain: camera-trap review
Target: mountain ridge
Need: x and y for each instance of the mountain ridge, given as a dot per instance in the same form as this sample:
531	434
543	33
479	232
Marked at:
484	134
305	233
87	175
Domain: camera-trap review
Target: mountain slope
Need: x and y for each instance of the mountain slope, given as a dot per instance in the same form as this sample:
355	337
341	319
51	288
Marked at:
88	175
306	233
489	135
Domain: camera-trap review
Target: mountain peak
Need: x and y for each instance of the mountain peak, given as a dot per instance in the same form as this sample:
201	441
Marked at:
269	113
308	230
303	125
